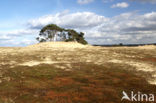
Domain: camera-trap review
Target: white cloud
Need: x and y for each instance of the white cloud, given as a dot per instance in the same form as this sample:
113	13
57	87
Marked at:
27	41
120	5
84	1
20	37
73	20
17	42
4	37
127	27
20	32
131	28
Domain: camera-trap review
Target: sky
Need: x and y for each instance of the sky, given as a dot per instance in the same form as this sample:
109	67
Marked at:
102	21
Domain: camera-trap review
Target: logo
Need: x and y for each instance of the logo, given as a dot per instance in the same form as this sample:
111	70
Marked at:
137	97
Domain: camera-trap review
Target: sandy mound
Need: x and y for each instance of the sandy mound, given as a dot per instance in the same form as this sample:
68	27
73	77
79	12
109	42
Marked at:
147	47
63	45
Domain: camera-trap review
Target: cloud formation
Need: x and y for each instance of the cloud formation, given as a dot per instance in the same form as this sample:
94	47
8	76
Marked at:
120	5
79	20
84	1
21	37
127	27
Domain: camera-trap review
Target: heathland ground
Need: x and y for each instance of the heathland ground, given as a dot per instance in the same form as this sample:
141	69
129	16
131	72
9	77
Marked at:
74	73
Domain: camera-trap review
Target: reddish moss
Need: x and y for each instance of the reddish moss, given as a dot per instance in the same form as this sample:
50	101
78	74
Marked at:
58	97
151	59
63	81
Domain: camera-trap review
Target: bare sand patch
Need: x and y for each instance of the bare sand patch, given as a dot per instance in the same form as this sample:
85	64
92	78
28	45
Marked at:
146	47
140	66
34	63
45	61
60	45
115	61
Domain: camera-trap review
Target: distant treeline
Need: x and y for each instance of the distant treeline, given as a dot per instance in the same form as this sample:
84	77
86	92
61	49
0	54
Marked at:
117	45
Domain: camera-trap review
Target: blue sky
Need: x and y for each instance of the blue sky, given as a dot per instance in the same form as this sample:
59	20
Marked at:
109	21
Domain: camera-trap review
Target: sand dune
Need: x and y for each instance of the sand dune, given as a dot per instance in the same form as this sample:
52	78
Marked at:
60	45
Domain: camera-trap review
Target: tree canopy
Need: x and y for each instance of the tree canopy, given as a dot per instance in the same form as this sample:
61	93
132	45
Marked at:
55	33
